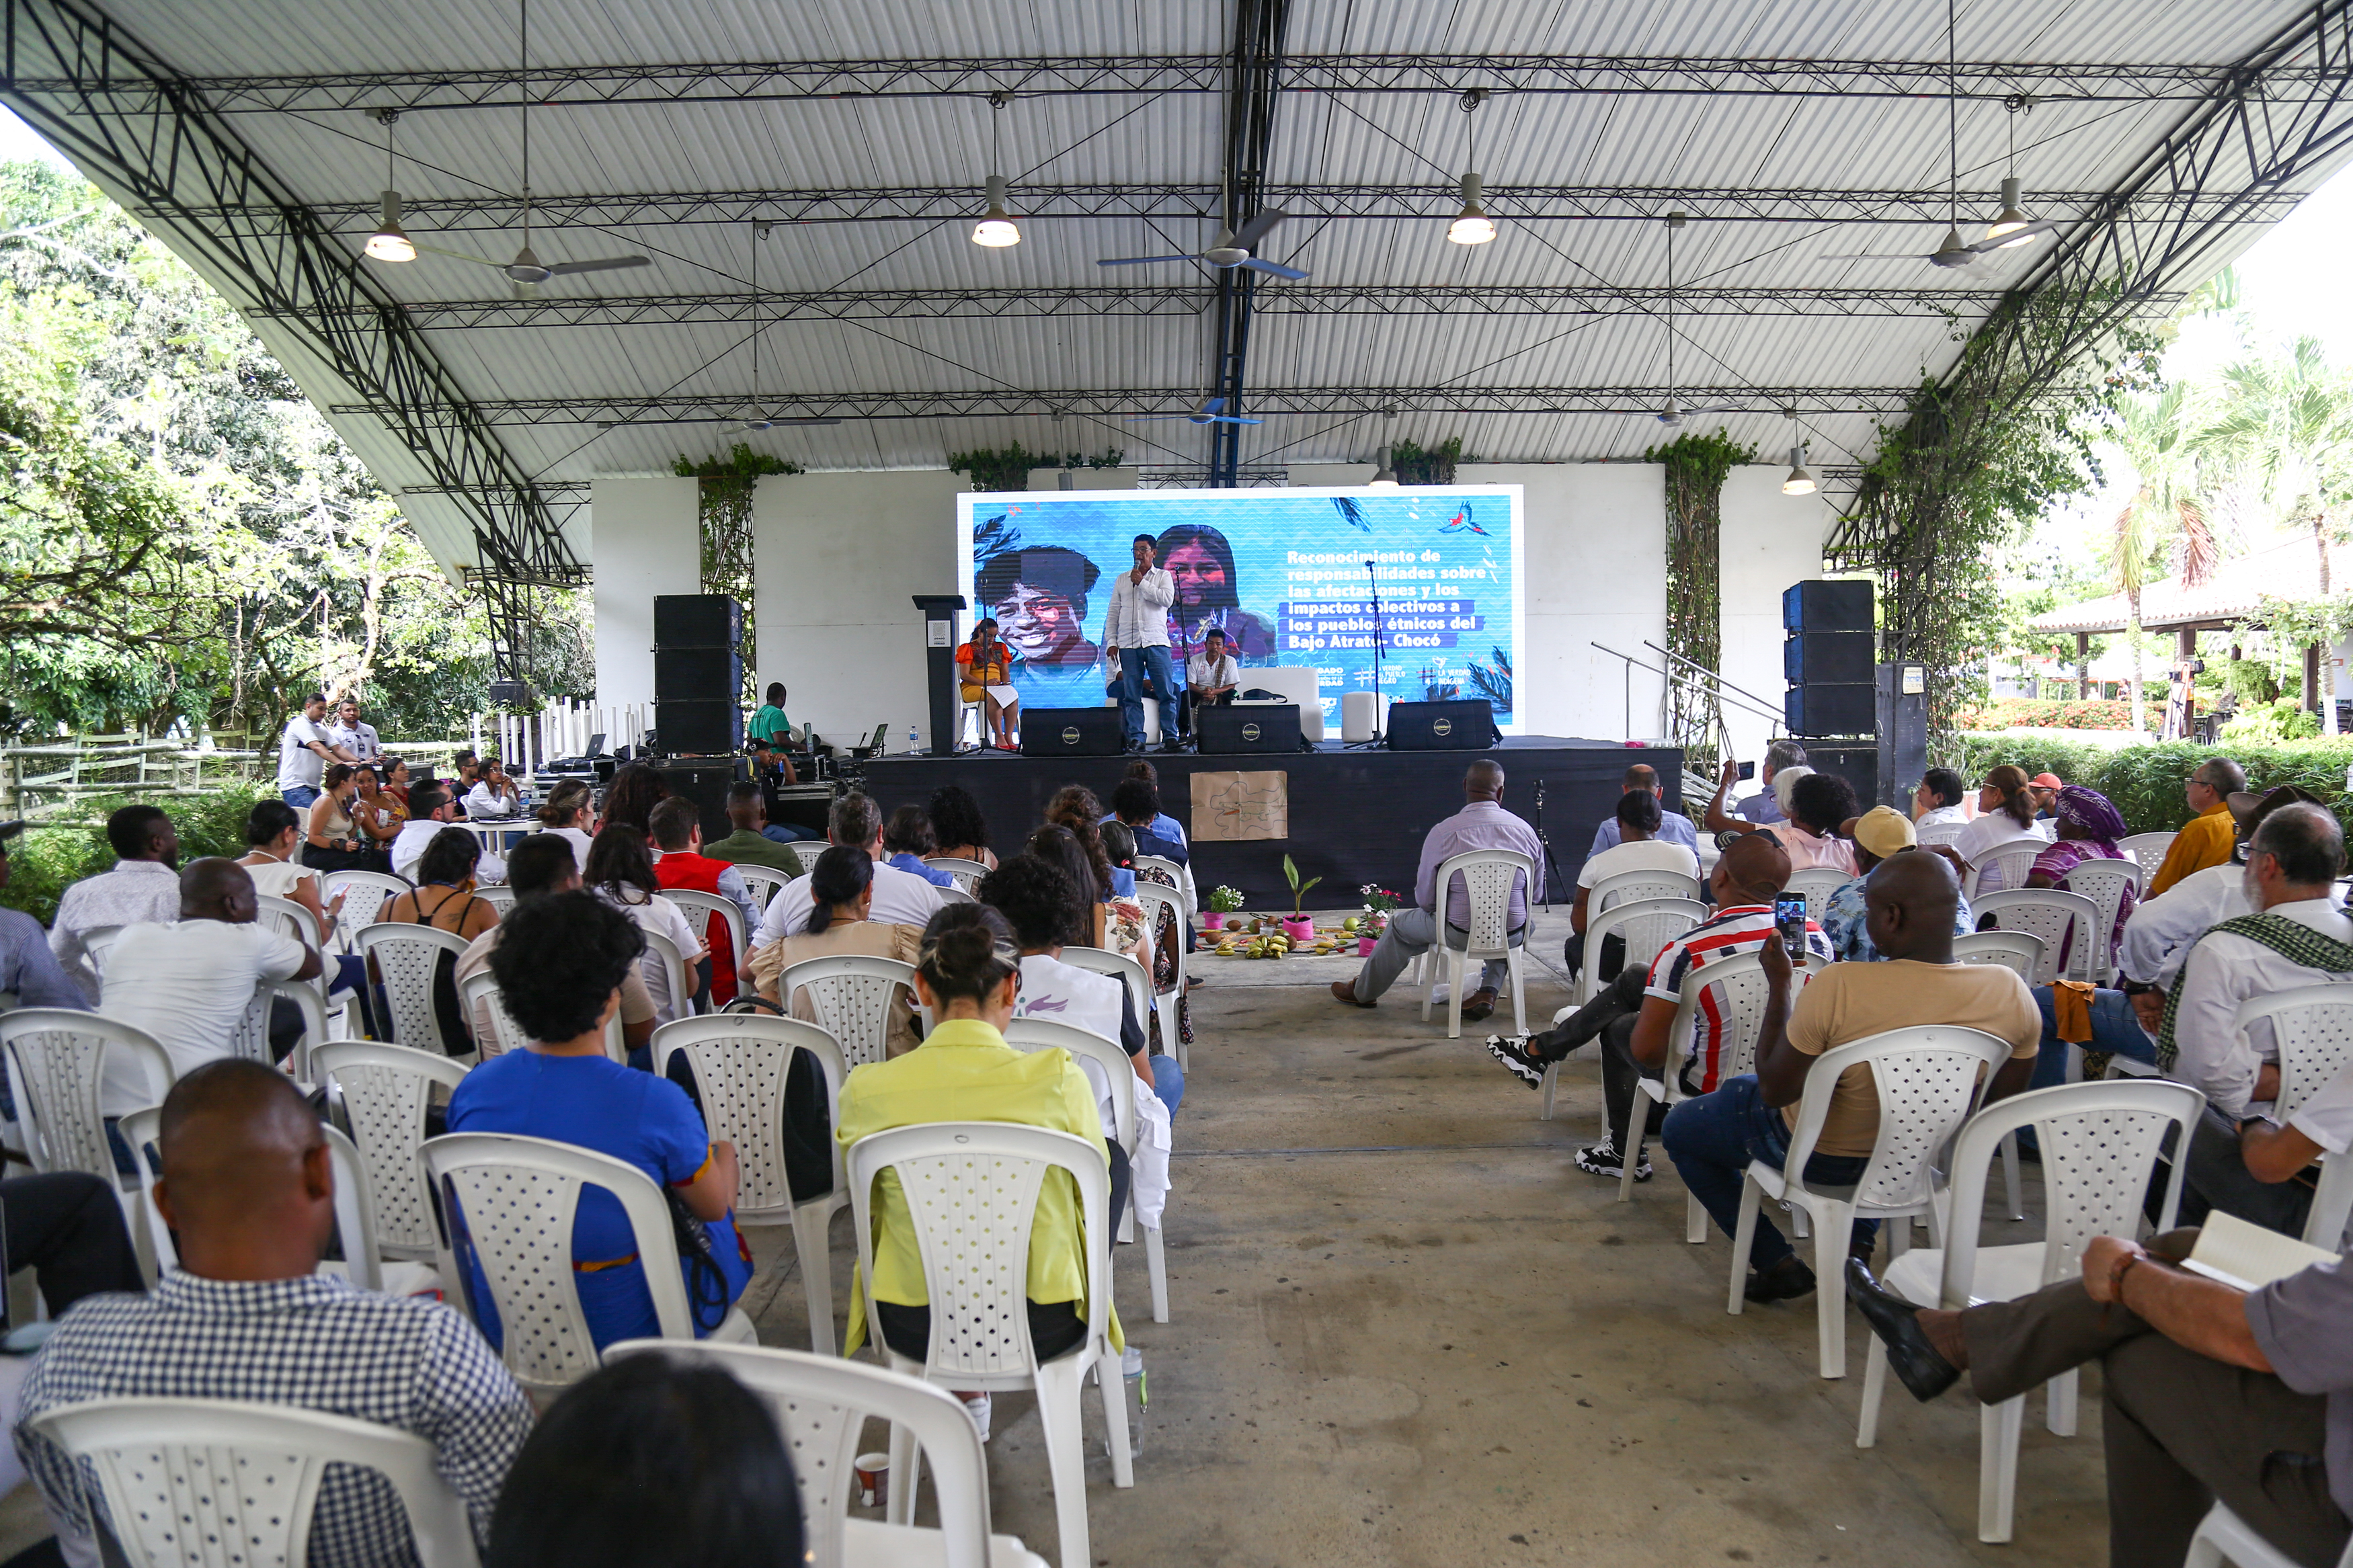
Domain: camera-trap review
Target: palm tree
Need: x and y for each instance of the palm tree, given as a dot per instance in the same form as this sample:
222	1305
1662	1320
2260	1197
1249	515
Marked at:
2166	513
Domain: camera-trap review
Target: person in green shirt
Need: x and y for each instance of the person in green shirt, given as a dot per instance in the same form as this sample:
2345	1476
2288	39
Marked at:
769	723
749	845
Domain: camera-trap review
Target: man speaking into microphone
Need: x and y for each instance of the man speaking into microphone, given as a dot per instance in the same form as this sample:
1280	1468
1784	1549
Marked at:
1137	625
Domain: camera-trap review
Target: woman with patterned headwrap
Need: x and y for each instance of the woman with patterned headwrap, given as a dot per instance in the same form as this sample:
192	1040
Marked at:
2089	827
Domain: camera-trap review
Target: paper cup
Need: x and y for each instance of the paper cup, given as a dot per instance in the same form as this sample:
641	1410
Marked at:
873	1472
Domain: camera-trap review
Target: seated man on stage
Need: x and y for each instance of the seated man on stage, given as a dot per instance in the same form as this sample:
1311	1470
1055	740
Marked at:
1482	823
985	661
1212	677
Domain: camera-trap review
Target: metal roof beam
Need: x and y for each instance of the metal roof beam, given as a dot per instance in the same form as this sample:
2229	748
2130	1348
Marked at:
735	81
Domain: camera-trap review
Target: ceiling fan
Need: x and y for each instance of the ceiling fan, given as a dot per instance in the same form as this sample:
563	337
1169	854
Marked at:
1207	414
1671	413
757	421
1232	248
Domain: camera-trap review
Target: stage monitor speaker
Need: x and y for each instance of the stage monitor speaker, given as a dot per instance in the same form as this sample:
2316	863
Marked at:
706	784
697	620
1246	727
1822	709
694	674
1827	604
1811	658
1467	725
1857	761
701	727
1070	732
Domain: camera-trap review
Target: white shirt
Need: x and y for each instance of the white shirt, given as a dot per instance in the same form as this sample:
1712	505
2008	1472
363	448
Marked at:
1065	994
132	892
482	801
2159	933
1200	672
1995	830
2326	1118
1138	616
1643	855
2222	972
659	914
189	985
901	898
358	738
1953	816
414	836
580	841
299	767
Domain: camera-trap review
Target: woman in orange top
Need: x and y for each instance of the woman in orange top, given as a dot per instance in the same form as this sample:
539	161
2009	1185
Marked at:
986	681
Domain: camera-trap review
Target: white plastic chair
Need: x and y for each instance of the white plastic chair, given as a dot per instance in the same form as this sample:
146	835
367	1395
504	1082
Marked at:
56	1059
2019	951
967	873
2015	859
1928	1077
1629	887
498	895
1122	968
955	895
406	957
1085	1045
822	1404
1157	899
495	1030
709	904
971	1192
2311	1029
2223	1537
1816	884
740	1062
2104	882
2148	851
763	882
383	1090
663	953
518	1196
220	1483
1645	926
851	995
1489	879
1739	984
1178	878
2100	1143
251	1039
364	895
1943	833
98	942
287	918
2046	913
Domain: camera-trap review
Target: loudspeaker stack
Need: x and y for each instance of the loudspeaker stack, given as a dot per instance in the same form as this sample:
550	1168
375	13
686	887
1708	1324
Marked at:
1829	659
698	674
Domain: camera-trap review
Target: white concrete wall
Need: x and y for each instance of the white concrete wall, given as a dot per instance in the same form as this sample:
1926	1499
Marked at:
646	539
1768	541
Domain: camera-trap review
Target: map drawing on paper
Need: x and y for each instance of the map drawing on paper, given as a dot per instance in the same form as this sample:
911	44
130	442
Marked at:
1232	806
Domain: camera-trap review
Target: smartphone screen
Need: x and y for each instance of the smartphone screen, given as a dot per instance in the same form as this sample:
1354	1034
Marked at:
1748	770
1789	920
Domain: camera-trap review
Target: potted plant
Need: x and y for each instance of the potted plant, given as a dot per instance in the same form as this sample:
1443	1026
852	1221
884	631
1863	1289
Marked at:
1296	925
1223	901
1378	902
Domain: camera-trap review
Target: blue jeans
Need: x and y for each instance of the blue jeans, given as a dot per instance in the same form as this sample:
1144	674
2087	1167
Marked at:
785	833
1712	1137
1134	663
1168	1082
2114	1029
299	798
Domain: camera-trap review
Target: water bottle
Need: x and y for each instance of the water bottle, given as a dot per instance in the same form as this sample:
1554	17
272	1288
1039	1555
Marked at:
911	747
1138	1396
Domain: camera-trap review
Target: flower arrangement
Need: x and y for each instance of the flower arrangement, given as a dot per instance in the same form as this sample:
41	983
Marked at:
1378	902
1225	901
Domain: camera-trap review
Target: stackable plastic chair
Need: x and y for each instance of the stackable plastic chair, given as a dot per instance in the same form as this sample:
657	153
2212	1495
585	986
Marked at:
1489	878
495	1031
56	1059
383	1091
2045	913
516	1198
2312	1029
822	1404
2019	951
364	895
406	956
1122	968
98	942
707	905
1816	884
498	895
967	873
740	1062
971	1191
2100	1143
2104	882
1928	1077
851	995
1154	901
2223	1537
1942	834
955	895
1645	926
1738	993
220	1483
2148	851
663	953
1631	886
764	882
2017	862
251	1039
287	918
1043	1034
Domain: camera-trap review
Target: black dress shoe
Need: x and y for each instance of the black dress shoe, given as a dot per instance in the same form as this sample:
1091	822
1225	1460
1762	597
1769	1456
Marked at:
1897	1321
1785	1282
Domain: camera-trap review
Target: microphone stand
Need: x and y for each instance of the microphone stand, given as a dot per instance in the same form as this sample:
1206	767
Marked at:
1552	866
1374	584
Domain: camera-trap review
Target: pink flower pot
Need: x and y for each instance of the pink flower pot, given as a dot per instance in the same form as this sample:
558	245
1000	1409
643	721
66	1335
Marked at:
1299	931
1365	945
1212	919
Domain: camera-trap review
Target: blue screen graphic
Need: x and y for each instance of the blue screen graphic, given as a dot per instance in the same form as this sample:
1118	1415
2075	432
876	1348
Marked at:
1281	572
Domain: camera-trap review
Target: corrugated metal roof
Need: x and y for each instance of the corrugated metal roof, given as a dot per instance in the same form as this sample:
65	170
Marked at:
1730	140
2289	569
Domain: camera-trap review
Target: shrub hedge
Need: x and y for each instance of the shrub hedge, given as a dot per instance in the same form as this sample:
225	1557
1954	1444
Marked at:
2041	714
42	860
2145	782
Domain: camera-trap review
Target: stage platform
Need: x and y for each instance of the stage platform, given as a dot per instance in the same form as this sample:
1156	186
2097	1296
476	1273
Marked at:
1357	815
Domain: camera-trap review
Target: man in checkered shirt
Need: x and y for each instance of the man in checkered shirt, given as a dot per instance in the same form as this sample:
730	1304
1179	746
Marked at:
248	1187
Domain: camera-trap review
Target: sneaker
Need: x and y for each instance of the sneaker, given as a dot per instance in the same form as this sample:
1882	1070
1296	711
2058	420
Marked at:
1602	1159
1514	1054
977	1405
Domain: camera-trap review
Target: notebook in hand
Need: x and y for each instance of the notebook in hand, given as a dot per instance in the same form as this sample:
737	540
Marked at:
2236	1253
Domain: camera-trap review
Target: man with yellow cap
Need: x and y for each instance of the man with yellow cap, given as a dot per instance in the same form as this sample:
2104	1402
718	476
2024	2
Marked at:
1878	833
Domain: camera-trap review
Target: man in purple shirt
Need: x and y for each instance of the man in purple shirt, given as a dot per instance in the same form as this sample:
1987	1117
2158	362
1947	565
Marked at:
1482	823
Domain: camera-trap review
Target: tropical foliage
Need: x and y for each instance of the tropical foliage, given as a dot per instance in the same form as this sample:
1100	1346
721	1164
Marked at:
2145	782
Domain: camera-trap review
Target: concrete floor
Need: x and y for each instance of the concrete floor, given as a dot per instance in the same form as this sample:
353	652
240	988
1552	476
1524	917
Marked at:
1406	1330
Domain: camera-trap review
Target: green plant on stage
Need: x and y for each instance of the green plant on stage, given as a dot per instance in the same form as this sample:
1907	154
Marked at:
1299	889
1225	899
1696	468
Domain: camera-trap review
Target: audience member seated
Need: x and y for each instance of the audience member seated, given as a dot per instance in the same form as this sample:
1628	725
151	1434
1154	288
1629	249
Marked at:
2162	929
559	963
956	823
1713	1138
377	812
1166	826
1635	1015
1939	799
2005	818
901	898
28	971
1638	844
543	864
2089	827
771	770
968	975
68	1228
1819	805
333	841
2209	1393
142	887
678	833
2045	788
651	1459
443	899
191	984
1760	810
569	814
840	924
986	678
396	780
1122	928
750	844
907	838
494	796
2265	1174
274	832
429	812
771	724
1135	804
621	874
249	1191
1482	823
1878	833
2205	839
1675	828
1060	846
629	800
1212	678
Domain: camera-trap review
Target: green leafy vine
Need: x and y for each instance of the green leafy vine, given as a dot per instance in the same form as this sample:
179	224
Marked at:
1697	468
727	484
1008	468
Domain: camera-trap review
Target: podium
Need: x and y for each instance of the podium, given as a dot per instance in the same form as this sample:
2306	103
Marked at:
940	667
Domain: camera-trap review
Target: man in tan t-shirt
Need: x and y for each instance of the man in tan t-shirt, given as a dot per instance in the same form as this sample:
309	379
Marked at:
1910	901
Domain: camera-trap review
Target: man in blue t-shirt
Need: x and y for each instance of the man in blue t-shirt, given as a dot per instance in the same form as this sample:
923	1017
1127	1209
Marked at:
1675	828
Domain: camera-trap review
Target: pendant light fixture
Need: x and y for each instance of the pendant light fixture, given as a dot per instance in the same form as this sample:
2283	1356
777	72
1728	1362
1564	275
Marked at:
996	230
1952	252
1471	226
1799	482
2013	218
389	243
1385	477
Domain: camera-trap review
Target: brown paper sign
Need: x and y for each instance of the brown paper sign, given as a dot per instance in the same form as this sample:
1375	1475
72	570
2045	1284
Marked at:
1228	807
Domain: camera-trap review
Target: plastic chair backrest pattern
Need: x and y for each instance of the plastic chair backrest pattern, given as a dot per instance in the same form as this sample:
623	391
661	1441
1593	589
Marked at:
955	895
2019	951
409	956
663	953
221	1483
1156	901
764	881
498	895
495	1030
1816	884
1632	887
2044	912
57	1067
1644	925
365	894
708	905
1734	989
98	942
1928	1077
1161	869
2104	882
2148	851
1942	833
2312	1026
287	918
851	995
971	1190
967	873
740	1061
1119	967
516	1198
2015	860
1489	878
354	1210
1085	1045
385	1091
